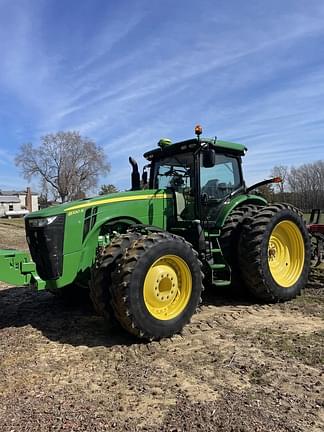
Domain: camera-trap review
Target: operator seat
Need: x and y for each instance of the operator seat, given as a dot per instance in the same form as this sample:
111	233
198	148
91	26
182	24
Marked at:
180	204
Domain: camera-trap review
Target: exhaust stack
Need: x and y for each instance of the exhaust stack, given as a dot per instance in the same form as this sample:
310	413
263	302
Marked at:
135	178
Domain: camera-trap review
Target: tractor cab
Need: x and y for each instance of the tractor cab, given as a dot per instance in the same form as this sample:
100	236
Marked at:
200	173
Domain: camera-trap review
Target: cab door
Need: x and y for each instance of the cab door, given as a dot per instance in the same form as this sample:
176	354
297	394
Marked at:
217	182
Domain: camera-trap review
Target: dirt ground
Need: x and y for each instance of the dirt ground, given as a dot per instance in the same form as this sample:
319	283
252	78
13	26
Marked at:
239	366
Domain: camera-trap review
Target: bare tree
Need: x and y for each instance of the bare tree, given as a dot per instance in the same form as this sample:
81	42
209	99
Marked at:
106	189
306	184
67	164
267	192
282	172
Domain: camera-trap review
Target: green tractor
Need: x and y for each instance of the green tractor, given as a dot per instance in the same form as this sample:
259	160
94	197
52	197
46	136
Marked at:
145	254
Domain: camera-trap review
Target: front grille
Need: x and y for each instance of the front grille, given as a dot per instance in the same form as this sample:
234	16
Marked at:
46	247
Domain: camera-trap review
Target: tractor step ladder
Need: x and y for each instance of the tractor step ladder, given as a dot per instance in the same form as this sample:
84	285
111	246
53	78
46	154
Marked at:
219	263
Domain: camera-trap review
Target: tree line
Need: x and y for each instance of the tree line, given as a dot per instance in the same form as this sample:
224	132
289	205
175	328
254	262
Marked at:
301	186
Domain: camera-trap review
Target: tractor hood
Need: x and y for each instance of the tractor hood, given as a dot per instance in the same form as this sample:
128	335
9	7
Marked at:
75	206
63	239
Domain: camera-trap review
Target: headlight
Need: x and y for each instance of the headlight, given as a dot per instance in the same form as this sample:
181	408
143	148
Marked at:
41	222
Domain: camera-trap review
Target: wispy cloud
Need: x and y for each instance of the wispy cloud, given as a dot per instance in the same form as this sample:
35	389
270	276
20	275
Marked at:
129	74
6	157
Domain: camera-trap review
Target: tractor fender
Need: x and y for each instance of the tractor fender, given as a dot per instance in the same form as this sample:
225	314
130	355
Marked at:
109	221
236	202
91	242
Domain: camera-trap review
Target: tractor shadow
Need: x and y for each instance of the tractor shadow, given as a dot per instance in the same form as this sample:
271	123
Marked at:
228	296
77	324
58	321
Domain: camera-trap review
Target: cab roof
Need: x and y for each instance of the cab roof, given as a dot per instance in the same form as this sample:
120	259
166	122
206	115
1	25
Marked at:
193	144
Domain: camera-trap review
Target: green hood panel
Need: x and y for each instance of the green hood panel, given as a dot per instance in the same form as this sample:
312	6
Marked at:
88	219
119	197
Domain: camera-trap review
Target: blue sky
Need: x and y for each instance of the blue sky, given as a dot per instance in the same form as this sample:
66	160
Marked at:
126	73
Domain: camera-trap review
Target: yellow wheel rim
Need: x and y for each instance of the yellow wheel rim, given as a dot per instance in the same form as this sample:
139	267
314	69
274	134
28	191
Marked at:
286	253
167	287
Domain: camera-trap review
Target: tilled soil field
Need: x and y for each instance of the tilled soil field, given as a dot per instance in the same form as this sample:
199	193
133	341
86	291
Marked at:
239	366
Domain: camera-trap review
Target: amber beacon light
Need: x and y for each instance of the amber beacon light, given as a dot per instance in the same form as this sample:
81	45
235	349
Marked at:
198	130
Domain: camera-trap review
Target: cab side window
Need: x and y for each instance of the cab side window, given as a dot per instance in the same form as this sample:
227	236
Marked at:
220	180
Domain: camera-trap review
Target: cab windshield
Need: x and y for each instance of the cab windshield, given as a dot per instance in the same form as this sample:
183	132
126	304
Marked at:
175	172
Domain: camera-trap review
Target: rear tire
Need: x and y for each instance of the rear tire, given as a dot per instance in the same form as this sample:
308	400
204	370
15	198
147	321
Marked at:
274	253
229	239
157	286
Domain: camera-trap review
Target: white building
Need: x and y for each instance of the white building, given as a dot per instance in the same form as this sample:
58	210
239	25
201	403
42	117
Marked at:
18	203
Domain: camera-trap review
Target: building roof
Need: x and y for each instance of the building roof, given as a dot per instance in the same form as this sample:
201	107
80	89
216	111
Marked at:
12	193
9	199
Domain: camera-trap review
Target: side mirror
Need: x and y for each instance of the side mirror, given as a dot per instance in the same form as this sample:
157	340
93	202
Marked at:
209	158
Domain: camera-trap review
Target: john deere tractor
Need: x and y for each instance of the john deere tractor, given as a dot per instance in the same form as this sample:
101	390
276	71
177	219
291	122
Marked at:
145	254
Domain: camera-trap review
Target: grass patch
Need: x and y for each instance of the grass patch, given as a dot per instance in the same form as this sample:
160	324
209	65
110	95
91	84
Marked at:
17	223
309	300
306	348
306	217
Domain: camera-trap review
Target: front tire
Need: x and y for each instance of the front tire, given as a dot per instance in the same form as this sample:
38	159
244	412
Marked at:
274	253
156	286
100	282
